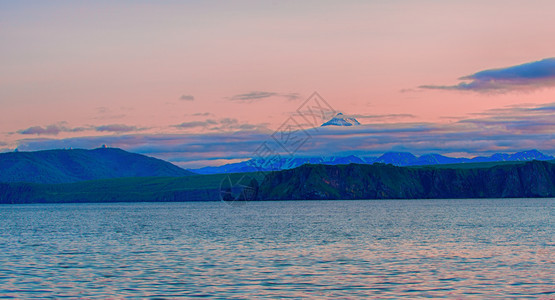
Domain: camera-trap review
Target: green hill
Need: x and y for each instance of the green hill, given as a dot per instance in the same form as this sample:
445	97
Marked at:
145	189
308	182
63	166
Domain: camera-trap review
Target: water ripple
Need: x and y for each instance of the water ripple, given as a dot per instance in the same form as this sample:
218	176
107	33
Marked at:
321	249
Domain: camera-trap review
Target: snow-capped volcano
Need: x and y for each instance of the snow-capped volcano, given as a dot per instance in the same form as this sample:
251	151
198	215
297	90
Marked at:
342	120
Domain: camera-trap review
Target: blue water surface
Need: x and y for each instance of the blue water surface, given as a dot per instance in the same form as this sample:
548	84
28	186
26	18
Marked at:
494	248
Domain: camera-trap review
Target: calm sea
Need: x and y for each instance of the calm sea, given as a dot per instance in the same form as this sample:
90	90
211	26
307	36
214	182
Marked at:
501	248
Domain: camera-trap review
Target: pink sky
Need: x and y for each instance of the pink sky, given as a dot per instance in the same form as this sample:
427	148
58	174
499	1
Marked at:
85	65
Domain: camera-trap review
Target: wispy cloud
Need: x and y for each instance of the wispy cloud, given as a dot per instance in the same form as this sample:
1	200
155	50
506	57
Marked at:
187	97
53	129
382	117
105	113
524	77
291	96
102	110
39	130
517	120
225	124
230	124
259	95
117	128
196	124
547	108
206	114
253	96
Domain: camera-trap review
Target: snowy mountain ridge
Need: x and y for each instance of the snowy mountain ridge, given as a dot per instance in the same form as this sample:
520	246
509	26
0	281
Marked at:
341	120
394	158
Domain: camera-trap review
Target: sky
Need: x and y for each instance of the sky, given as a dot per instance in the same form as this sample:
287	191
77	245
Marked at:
203	83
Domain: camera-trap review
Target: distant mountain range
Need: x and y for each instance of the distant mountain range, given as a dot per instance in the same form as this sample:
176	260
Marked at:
64	166
67	166
394	158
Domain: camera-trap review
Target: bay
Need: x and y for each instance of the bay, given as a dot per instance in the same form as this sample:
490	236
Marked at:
464	248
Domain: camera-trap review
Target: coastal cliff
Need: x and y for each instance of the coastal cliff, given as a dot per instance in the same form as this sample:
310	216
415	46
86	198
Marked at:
381	181
307	182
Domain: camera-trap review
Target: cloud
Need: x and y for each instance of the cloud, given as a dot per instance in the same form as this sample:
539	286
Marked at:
291	96
196	124
53	129
507	129
386	116
102	110
517	120
222	125
38	130
206	114
549	107
253	96
187	97
110	117
104	113
259	95
524	77
116	128
178	147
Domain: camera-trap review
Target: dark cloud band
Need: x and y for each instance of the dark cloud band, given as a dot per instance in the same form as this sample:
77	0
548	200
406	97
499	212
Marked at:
56	129
116	128
528	76
53	129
